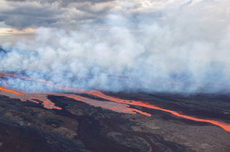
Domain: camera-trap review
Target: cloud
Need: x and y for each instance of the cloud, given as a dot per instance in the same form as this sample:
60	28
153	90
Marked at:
69	14
23	14
61	2
29	15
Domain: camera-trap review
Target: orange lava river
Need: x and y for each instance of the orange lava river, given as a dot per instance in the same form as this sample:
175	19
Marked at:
112	103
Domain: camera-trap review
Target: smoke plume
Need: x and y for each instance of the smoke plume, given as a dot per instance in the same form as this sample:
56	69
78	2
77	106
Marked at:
182	48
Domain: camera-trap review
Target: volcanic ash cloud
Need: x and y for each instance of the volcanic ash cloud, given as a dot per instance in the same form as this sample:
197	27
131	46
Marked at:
180	48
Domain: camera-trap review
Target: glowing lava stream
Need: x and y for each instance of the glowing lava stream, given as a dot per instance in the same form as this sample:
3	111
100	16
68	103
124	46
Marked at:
31	97
117	107
122	107
11	91
223	125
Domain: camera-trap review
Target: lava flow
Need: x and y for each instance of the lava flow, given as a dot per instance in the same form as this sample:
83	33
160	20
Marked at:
117	107
11	91
223	125
121	106
30	97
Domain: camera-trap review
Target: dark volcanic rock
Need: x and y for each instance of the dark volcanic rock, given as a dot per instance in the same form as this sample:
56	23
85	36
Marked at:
29	127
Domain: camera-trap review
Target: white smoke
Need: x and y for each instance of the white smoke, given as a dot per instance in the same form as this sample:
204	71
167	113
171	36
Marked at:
187	43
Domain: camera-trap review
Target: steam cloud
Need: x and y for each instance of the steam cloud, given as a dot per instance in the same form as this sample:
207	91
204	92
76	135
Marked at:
185	43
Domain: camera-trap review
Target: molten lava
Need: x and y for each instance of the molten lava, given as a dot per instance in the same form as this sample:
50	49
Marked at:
120	105
223	125
30	97
117	107
11	91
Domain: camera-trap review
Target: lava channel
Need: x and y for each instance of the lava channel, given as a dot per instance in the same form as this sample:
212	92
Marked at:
48	104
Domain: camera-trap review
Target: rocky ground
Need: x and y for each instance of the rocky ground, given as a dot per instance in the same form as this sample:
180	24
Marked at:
29	127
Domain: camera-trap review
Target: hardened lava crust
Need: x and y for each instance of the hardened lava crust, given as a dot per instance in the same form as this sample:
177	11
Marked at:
78	126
